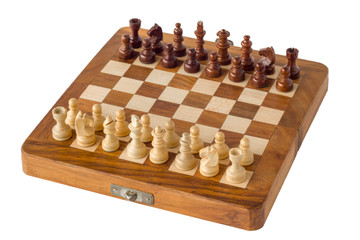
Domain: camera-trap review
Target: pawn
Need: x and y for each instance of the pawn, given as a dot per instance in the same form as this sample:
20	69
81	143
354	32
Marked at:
292	55
179	47
220	145
185	160
125	50
146	129
61	131
121	126
284	83
191	65
209	163
258	79
159	154
213	68
71	114
168	59
110	143
247	155
98	117
171	138
235	173
147	55
196	142
236	74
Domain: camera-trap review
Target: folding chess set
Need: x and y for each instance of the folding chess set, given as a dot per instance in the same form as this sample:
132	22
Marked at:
199	128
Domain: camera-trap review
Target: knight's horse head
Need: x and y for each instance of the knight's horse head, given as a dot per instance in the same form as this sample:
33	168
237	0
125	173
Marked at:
155	32
269	53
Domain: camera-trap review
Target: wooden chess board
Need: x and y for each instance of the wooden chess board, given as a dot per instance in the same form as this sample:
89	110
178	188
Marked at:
275	122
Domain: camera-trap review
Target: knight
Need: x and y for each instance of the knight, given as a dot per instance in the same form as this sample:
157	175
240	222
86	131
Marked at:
156	36
209	163
268	60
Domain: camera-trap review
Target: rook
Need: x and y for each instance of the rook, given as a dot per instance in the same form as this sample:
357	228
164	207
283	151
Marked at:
135	39
61	131
292	55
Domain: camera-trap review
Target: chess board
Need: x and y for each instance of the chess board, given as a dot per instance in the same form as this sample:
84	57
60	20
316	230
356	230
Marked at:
274	122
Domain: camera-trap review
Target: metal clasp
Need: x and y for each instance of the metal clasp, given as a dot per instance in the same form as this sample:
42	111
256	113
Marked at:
132	194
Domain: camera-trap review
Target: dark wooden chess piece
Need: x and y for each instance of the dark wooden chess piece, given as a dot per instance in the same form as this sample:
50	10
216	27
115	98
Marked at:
268	60
179	47
147	55
201	52
213	68
156	36
125	50
191	65
223	44
236	74
258	79
168	59
247	61
135	39
284	83
292	55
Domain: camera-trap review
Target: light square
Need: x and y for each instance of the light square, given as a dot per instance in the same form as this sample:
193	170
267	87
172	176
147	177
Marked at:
95	93
157	120
287	94
207	133
257	145
116	68
220	105
252	96
191	172
110	110
128	85
276	73
198	74
124	156
151	65
187	113
160	77
239	84
125	139
268	115
92	148
141	103
236	124
175	149
174	95
240	185
205	86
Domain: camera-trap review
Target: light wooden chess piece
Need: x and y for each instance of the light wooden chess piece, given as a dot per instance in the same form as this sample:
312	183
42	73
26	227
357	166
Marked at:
146	129
220	145
235	173
247	154
72	113
110	143
209	163
121	126
98	117
159	154
171	138
85	131
136	148
61	131
196	142
185	160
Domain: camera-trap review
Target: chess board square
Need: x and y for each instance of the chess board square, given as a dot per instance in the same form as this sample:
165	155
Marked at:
198	100
276	73
220	105
228	91
213	119
182	126
268	115
191	172
239	185
260	129
276	101
86	105
128	85
160	77
129	112
105	80
196	75
287	94
157	120
224	73
124	156
182	82
166	109
244	110
207	133
118	98
236	124
257	145
116	68
205	86
95	93
232	139
238	84
252	96
151	65
174	70
173	95
187	113
110	110
92	148
141	103
137	72
152	90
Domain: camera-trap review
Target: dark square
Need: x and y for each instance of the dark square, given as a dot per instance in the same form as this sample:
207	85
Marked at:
85	105
244	110
276	101
182	82
166	109
260	129
149	89
212	119
232	139
137	72
129	112
228	91
182	126
105	80
197	100
118	98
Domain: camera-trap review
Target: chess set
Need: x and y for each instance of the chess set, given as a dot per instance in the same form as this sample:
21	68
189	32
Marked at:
200	128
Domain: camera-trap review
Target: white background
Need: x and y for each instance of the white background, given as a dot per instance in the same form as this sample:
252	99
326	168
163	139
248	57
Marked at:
45	45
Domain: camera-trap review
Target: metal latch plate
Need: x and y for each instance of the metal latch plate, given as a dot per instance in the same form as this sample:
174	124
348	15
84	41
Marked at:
132	194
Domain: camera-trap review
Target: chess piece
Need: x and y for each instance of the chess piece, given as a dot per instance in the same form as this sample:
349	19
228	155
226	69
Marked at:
98	117
247	61
146	129
71	114
171	138
213	68
135	39
247	155
156	36
201	52
147	55
168	59
185	160
191	65
159	154
268	61
196	142
85	130
224	57
284	83
125	50
121	126
235	173
209	163
258	79
292	55
236	74
136	148
110	143
220	145
61	131
179	47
